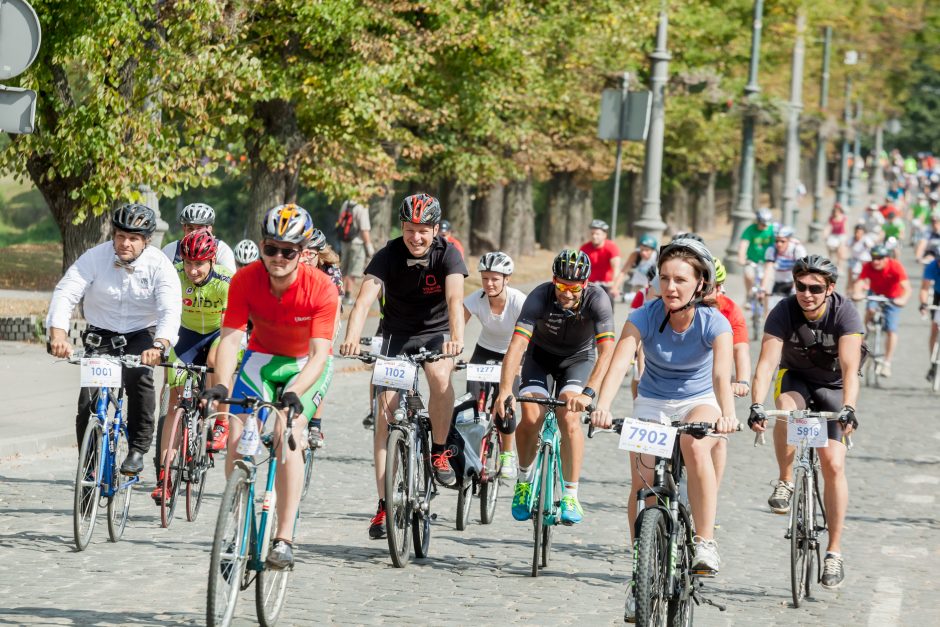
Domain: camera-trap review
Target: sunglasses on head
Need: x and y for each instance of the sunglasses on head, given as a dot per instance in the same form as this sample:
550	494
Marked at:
574	289
815	289
270	250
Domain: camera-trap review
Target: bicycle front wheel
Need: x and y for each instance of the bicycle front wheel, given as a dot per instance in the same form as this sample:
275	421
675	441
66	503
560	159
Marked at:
489	482
229	551
397	499
87	488
309	457
173	468
119	503
538	515
198	469
464	501
650	570
271	587
800	526
681	604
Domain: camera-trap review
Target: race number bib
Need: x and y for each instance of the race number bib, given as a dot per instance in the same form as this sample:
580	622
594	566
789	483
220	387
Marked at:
813	430
487	373
99	372
394	373
650	438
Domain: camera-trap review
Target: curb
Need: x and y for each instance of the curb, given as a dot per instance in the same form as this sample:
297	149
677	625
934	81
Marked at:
36	443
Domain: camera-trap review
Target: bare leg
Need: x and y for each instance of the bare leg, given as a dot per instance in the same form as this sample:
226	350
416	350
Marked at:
572	441
836	495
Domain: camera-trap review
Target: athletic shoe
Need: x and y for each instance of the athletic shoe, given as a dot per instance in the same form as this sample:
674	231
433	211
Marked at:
440	462
932	372
520	501
219	437
885	369
779	500
571	512
315	438
281	556
377	524
832	572
706	560
507	463
157	494
629	608
369	421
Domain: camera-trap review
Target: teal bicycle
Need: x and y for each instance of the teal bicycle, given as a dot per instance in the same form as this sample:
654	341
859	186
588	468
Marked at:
244	530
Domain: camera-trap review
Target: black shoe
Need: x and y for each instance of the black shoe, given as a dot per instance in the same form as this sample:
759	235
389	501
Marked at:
369	421
133	463
377	524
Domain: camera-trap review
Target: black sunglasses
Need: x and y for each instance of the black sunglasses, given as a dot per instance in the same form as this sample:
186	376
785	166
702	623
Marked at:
273	251
813	289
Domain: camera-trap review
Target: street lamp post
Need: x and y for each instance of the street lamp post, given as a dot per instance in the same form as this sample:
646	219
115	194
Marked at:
791	169
878	186
842	193
744	212
620	133
816	227
855	187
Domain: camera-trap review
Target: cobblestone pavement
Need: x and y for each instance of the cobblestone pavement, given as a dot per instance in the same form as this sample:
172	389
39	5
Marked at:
158	577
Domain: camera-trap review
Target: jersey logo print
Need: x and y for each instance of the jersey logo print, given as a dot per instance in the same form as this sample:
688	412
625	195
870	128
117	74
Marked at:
431	286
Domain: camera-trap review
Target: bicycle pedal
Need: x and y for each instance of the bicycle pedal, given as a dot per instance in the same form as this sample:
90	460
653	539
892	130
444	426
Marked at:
703	572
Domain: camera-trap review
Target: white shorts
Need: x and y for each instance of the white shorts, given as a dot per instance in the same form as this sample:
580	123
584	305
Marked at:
665	411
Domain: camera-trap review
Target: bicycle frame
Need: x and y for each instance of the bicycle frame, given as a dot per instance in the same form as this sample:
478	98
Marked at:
551	436
107	462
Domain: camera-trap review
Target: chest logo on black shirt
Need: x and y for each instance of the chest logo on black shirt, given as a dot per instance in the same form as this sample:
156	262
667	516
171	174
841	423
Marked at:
431	286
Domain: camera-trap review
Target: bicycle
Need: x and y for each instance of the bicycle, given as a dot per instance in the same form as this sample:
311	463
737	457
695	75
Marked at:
755	301
187	457
933	374
874	333
243	534
104	443
807	511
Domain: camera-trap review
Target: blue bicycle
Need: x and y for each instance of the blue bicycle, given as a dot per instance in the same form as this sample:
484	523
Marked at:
104	446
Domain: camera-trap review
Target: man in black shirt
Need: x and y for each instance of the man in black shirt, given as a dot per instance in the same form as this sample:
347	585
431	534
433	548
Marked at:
815	336
421	276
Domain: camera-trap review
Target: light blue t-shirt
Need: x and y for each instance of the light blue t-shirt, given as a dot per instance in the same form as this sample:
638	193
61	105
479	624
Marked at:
678	365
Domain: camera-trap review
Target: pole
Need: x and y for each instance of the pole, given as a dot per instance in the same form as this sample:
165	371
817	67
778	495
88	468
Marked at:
791	170
855	188
878	186
744	212
815	227
842	194
651	222
623	104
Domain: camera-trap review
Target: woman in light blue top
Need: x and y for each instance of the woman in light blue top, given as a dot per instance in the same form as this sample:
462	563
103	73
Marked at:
688	349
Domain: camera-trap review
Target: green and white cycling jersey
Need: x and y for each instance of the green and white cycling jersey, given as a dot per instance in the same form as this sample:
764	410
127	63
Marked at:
203	305
264	376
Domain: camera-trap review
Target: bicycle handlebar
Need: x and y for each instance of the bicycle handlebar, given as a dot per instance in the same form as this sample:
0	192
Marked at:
128	361
697	430
179	365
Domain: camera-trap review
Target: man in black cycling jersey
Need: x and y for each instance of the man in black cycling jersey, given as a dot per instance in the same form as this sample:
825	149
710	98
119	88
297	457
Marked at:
815	336
560	324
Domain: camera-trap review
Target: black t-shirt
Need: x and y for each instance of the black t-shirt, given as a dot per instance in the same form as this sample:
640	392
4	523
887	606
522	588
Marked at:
811	347
414	295
561	332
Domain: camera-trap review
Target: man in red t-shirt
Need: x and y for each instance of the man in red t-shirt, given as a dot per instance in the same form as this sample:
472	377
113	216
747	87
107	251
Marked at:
886	277
605	260
292	309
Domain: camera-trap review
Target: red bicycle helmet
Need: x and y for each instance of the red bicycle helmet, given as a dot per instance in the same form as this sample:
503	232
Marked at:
198	246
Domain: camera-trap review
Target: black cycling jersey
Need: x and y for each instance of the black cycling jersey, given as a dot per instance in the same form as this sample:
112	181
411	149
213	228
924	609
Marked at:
566	332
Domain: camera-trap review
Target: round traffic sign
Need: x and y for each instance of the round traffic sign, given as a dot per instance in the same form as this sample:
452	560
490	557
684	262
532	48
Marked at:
20	35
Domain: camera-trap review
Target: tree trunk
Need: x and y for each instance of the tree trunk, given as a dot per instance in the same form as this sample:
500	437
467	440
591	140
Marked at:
704	216
381	208
775	184
518	195
527	237
635	206
556	208
456	202
485	232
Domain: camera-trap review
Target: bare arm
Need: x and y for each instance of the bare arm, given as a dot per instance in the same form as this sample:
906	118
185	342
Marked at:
511	363
850	357
453	292
770	351
622	357
367	242
370	290
925	288
229	342
905	294
722	348
466	315
742	368
742	252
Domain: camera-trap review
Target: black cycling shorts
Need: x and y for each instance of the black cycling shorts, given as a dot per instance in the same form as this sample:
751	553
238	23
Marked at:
816	397
395	345
542	371
782	288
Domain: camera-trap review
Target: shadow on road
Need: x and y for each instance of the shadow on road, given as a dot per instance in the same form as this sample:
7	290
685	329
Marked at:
33	541
16	616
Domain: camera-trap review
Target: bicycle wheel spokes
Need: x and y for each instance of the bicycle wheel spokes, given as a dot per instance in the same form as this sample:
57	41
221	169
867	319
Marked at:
173	468
540	503
681	603
198	469
309	457
650	568
271	586
799	537
489	485
229	551
87	489
397	501
424	484
119	502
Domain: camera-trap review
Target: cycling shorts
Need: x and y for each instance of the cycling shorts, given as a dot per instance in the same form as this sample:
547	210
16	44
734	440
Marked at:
481	356
542	370
815	396
664	411
265	376
892	315
400	344
191	348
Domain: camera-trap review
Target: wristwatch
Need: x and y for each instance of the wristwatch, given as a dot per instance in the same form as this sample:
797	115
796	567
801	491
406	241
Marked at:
161	347
743	383
589	392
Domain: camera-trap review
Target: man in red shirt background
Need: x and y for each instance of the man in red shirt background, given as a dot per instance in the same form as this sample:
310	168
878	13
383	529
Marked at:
886	277
605	260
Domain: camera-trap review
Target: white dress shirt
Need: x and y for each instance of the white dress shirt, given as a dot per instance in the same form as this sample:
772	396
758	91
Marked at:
224	256
120	299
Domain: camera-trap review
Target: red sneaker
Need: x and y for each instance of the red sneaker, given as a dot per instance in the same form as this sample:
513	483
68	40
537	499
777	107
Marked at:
219	437
158	495
377	524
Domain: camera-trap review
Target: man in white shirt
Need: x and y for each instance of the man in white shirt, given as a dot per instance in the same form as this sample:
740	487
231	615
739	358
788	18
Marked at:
193	217
131	290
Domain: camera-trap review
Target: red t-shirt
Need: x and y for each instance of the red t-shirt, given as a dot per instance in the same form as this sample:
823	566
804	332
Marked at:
600	256
456	242
886	283
730	310
282	326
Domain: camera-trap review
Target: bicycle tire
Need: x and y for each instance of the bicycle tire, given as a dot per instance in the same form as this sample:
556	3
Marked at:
397	499
464	502
799	537
86	498
554	501
935	364
271	585
650	570
424	482
173	471
681	605
198	469
489	482
309	456
119	502
229	556
538	515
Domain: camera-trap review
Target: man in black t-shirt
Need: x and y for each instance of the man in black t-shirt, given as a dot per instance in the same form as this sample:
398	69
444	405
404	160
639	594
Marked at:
816	338
421	276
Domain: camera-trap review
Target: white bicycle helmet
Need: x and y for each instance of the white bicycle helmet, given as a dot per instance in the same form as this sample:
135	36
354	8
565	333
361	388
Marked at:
246	251
197	213
496	262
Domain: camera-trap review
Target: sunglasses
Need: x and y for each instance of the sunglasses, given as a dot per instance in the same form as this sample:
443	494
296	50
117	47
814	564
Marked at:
274	251
878	258
574	289
814	289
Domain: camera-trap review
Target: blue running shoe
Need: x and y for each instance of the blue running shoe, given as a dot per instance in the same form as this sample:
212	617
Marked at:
571	512
520	501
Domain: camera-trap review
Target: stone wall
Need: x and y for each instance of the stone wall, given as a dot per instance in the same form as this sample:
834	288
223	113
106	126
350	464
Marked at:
32	329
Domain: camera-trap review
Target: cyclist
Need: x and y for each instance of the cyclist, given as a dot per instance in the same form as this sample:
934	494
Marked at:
640	264
448	234
204	296
778	264
835	231
561	323
815	337
886	277
688	350
859	252
930	295
197	216
497	306
129	290
893	228
293	310
245	252
605	260
930	238
355	233
421	277
752	251
873	220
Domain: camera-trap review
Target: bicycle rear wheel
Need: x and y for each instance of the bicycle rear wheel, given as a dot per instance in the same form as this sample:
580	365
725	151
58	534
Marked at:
681	604
397	499
424	483
229	551
87	489
800	523
271	586
173	469
650	569
198	469
119	503
538	515
489	482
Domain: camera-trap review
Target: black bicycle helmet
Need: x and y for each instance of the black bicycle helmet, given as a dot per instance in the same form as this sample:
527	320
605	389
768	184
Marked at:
879	252
420	209
445	226
571	265
816	264
134	218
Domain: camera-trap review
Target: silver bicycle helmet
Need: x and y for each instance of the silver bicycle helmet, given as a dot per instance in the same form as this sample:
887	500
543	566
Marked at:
496	262
197	213
287	223
246	251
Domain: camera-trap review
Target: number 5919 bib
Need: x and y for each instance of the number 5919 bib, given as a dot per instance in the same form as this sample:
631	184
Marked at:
812	429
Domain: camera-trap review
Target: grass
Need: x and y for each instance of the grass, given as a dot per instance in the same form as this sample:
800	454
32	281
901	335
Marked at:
30	266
